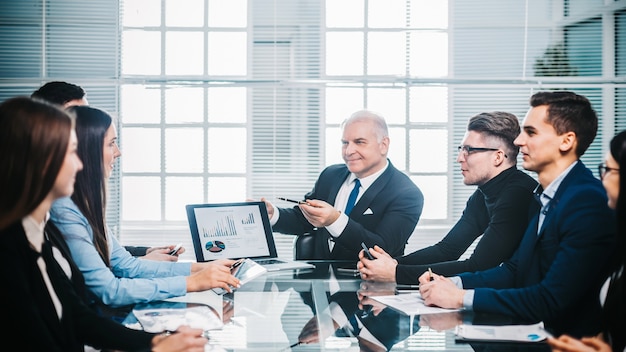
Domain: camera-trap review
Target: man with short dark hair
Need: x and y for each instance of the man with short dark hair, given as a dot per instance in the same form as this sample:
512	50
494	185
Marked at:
61	93
556	273
497	210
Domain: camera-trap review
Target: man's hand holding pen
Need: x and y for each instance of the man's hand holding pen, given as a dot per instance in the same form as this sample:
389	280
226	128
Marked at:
437	290
293	200
308	202
319	213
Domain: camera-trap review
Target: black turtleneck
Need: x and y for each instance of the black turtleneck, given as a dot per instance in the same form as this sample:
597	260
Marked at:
498	210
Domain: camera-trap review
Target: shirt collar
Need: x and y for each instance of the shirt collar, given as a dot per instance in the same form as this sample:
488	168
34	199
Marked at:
34	230
551	189
367	181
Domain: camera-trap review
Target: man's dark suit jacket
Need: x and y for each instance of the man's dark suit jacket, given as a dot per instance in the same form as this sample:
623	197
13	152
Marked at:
385	215
555	276
28	308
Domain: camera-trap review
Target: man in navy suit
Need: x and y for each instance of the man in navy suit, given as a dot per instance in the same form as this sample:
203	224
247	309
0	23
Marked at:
556	273
388	204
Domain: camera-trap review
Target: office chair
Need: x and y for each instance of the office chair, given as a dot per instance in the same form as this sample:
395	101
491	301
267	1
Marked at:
304	245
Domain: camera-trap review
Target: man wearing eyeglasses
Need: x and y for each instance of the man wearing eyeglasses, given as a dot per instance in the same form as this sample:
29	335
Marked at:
497	210
556	273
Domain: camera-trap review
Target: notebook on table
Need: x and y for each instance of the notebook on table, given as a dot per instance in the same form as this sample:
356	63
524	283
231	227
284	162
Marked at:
236	230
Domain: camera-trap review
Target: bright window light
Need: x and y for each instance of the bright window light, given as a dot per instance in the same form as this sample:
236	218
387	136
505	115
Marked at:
228	53
184	54
141	149
177	106
428	150
141	52
184	150
344	53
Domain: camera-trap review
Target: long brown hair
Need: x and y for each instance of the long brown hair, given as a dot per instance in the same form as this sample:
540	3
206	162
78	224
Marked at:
34	137
90	187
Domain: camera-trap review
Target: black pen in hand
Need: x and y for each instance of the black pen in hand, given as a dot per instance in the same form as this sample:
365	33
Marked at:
237	263
292	200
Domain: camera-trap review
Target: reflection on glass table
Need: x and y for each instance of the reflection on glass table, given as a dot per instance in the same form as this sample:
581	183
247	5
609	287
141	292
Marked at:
314	310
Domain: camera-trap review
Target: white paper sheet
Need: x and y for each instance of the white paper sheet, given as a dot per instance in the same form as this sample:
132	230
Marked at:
505	333
410	304
169	319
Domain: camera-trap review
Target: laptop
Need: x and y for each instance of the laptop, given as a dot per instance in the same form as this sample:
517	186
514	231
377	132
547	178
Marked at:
236	230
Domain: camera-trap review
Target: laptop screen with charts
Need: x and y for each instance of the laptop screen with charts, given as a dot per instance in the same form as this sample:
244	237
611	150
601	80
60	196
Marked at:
236	230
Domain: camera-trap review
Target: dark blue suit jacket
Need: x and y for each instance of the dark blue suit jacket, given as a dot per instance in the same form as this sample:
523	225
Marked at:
394	200
555	276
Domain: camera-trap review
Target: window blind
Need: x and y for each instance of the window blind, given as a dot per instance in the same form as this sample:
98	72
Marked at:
227	100
221	100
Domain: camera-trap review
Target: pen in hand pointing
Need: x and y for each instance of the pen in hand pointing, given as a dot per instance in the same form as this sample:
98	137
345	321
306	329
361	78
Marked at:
430	275
292	200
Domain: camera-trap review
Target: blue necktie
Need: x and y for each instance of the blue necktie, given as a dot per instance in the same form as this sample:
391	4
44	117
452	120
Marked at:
352	197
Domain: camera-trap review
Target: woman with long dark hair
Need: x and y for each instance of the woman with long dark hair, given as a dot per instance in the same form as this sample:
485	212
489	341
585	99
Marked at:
38	164
613	293
113	276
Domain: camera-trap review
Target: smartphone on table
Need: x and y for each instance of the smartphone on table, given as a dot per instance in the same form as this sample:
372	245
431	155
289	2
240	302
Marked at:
176	249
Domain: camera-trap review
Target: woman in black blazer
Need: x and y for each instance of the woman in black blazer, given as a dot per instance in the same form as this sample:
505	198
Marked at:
40	303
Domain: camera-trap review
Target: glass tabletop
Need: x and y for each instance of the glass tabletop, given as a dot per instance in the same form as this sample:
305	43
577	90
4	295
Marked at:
324	309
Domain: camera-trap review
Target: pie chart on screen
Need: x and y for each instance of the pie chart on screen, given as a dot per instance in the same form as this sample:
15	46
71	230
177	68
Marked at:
215	246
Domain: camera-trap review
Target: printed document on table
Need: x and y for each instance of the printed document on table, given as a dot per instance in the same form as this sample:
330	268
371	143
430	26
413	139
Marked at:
410	304
169	316
502	333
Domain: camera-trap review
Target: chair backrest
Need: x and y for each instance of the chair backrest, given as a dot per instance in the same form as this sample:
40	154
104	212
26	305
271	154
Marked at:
304	247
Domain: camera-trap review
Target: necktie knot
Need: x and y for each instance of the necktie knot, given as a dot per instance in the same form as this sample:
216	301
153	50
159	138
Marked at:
352	197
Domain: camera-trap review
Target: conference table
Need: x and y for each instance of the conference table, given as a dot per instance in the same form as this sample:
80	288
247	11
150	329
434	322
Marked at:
327	308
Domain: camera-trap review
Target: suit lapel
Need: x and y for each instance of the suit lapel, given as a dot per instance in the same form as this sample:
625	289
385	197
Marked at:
573	175
334	187
523	255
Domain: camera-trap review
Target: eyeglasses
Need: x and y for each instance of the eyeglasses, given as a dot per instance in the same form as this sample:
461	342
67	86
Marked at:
467	150
603	169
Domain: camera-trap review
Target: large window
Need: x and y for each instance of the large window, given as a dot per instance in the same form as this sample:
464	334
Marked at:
224	100
244	99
